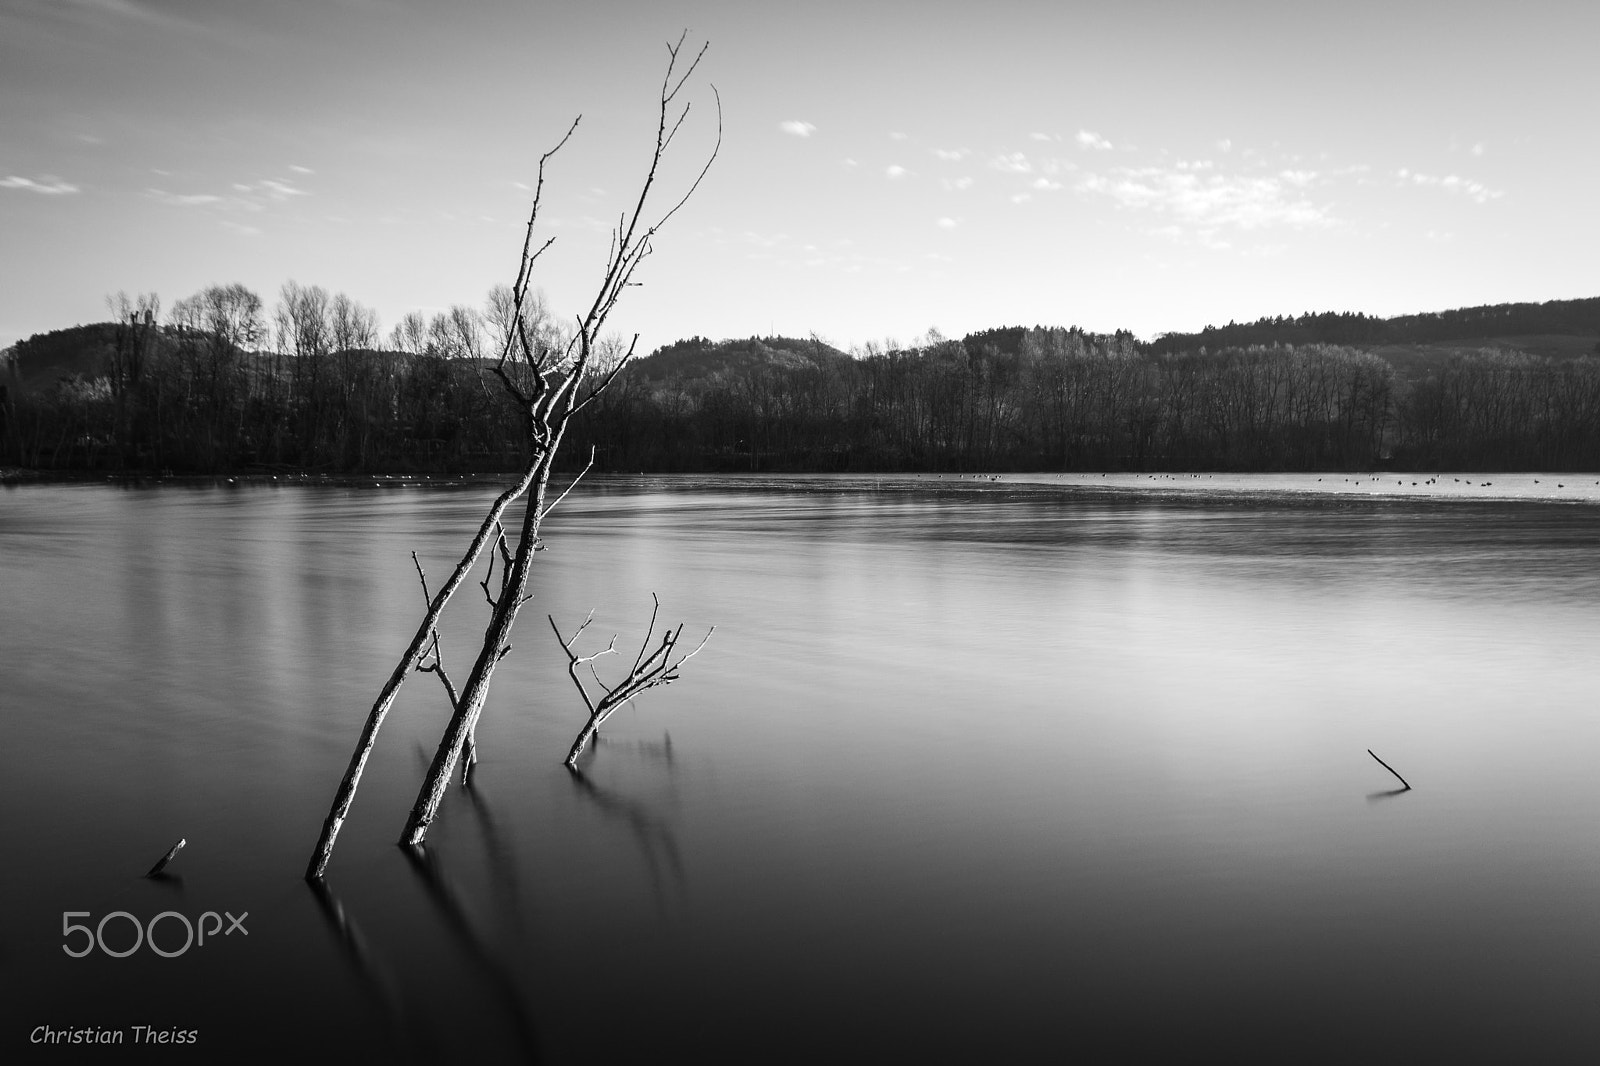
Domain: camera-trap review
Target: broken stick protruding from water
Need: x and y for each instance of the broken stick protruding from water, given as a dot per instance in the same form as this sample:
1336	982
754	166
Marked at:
171	854
1391	769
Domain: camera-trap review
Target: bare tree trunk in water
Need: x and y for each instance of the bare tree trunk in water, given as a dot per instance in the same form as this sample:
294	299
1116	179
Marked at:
549	384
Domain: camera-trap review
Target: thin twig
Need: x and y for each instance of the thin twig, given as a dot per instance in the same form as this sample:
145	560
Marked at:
427	599
484	584
1391	769
552	506
605	382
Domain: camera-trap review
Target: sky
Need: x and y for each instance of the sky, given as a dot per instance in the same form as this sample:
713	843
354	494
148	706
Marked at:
885	169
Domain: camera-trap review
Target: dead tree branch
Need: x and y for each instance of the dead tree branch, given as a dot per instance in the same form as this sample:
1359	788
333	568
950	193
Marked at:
650	669
172	853
1391	769
436	666
573	485
548	395
414	653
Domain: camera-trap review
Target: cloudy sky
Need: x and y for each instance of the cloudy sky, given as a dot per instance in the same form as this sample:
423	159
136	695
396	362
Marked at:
886	167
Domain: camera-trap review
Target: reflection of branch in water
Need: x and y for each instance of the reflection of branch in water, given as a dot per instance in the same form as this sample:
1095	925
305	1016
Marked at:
376	980
495	972
652	833
502	860
648	750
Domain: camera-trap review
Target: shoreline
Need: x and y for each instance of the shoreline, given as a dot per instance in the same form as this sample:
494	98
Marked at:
1381	487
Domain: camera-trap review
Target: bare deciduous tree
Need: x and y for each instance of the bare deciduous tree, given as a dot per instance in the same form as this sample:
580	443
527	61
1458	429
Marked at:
466	332
354	325
410	334
549	385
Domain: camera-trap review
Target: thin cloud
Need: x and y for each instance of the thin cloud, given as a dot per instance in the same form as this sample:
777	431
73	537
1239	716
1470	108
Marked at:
947	223
49	186
172	199
278	190
1046	184
245	196
121	8
1012	163
298	169
1479	148
1205	202
896	171
270	189
896	135
1092	140
951	155
1475	191
1040	137
796	128
961	184
123	12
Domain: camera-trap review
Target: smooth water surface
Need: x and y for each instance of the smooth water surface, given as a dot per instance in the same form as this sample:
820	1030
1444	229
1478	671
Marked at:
968	769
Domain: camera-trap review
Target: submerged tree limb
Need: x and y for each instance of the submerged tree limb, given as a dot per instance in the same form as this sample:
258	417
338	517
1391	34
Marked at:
545	380
1391	769
648	670
413	657
172	853
547	388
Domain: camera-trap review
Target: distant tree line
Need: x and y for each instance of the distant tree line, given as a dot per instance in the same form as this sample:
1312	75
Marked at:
222	384
1063	399
1568	317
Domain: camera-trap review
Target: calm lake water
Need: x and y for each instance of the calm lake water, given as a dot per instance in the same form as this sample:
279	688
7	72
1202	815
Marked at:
970	770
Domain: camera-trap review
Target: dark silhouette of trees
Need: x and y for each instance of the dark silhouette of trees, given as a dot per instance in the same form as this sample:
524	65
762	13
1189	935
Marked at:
1567	317
209	391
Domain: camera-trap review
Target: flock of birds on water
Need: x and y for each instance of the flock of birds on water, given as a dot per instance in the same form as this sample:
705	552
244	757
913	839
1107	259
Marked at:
1435	480
1150	477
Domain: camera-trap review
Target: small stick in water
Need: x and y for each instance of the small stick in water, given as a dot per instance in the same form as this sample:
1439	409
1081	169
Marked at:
1391	769
168	857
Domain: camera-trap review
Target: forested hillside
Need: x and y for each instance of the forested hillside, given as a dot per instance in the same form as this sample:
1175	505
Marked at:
1068	400
214	390
1576	319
